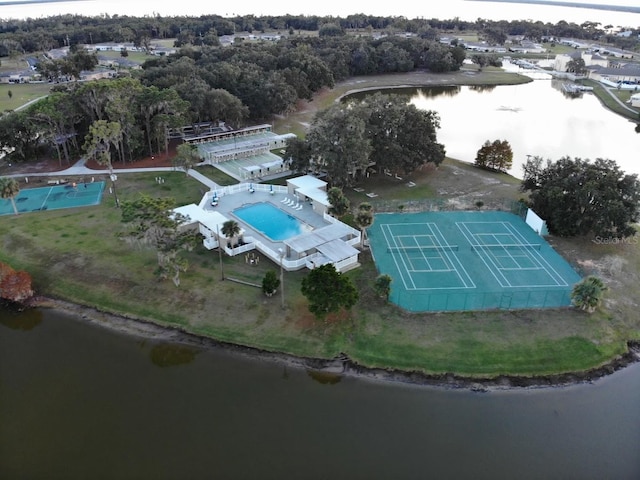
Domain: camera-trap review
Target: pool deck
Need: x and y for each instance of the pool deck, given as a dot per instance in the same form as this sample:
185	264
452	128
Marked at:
228	203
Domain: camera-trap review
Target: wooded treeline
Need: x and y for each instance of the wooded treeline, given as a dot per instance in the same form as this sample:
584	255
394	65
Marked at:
41	34
238	85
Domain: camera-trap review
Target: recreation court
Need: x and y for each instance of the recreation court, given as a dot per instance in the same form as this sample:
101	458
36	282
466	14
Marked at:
453	261
54	197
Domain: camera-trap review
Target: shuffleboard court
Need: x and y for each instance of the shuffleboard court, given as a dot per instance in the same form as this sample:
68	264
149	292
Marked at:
54	197
446	261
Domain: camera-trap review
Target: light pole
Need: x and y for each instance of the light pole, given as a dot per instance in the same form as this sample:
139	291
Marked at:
281	251
220	252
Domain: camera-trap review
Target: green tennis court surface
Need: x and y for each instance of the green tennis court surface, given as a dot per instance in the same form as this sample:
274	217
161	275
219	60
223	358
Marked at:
54	197
446	261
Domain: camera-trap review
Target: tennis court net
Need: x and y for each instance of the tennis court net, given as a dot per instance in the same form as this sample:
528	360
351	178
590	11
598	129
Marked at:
425	248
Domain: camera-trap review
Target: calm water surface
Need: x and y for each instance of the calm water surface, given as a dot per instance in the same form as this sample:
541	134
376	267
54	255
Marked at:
78	402
536	118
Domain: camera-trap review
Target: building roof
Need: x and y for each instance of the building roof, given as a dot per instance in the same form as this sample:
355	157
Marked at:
320	236
337	250
211	220
307	181
628	71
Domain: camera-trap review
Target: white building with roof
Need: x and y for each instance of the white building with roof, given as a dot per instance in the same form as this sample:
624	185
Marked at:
324	239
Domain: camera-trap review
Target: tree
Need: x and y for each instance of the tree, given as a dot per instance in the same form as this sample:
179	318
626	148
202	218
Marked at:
339	143
338	201
328	290
331	30
9	189
16	287
364	219
496	155
56	116
187	157
480	60
230	229
587	294
382	286
577	66
298	153
98	142
580	197
154	223
270	283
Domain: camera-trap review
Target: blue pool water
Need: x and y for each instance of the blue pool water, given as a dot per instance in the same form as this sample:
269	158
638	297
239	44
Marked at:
271	221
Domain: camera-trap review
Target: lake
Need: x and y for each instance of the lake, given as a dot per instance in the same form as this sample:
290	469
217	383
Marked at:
78	401
536	118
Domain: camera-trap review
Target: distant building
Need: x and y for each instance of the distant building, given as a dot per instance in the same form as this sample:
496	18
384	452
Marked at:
590	59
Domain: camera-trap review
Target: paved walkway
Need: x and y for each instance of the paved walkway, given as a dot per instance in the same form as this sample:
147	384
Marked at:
80	169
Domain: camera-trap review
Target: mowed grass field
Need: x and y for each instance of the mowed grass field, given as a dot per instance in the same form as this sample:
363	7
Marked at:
79	255
13	96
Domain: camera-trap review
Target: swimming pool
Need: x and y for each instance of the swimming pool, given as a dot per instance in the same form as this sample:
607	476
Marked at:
270	221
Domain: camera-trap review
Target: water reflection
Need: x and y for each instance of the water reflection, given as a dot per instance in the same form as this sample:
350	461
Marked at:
325	378
20	320
171	354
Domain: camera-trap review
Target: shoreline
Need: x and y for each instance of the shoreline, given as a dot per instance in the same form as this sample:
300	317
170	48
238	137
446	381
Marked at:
339	366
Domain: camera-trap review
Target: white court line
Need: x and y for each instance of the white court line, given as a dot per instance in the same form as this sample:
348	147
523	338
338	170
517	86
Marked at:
436	231
495	270
391	241
395	260
541	261
46	198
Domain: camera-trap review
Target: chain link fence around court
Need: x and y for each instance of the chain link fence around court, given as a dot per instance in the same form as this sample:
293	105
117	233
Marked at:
468	260
518	208
442	301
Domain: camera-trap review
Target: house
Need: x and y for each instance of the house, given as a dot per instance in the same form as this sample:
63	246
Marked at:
527	47
590	59
613	76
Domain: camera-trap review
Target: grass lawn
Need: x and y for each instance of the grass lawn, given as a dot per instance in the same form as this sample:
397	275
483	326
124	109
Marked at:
20	94
609	102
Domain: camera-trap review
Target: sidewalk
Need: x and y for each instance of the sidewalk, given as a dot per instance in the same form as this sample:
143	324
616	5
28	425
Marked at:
79	169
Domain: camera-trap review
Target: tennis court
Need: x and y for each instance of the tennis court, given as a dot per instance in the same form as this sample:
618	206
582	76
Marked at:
54	197
446	261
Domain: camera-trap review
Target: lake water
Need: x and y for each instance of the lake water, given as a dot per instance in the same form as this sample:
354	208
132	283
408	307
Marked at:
465	10
536	118
78	402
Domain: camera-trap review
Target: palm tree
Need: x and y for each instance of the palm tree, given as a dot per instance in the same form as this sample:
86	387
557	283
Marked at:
230	229
364	219
382	285
587	294
9	189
